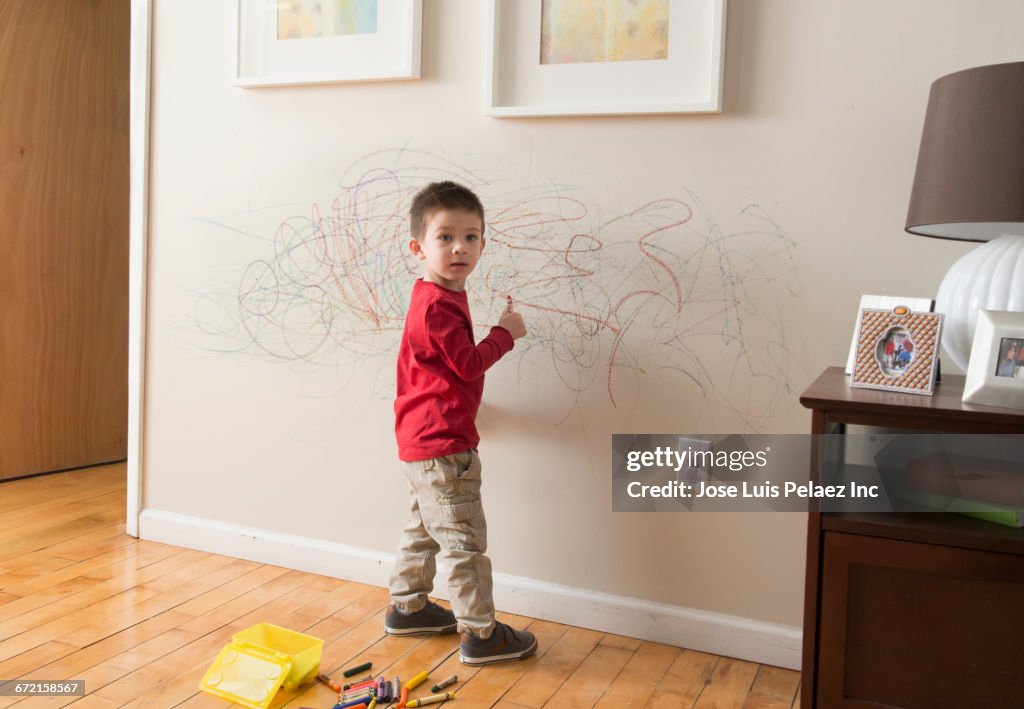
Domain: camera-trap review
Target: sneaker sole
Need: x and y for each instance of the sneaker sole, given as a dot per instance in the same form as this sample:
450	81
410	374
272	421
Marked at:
498	658
445	630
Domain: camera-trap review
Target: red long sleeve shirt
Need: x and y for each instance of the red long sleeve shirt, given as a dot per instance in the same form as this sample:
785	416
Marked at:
441	374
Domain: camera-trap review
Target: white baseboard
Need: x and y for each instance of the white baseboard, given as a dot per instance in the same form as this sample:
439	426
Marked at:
731	636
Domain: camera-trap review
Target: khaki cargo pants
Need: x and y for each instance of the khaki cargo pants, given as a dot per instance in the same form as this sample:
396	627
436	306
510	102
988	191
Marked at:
446	516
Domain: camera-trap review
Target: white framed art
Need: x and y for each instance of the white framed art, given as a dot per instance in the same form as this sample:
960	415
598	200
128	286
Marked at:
604	57
995	371
284	42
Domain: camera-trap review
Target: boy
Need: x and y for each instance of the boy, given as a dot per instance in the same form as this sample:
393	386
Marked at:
440	383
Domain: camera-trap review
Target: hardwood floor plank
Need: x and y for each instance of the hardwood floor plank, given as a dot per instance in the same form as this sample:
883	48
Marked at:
487	686
685	679
553	668
150	563
140	622
80	548
591	679
101	566
215	597
77	663
61	532
636	683
28	521
774	688
102	624
729	685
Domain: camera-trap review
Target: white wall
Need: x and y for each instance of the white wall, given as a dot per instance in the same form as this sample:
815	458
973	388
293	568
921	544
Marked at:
808	171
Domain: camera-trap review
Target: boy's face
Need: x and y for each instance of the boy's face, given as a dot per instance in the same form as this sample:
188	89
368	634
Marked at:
450	248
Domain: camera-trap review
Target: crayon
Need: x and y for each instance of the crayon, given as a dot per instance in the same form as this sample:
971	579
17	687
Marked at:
383	689
444	683
432	699
358	694
357	669
361	686
329	682
354	704
373	703
417	680
360	683
395	689
404	698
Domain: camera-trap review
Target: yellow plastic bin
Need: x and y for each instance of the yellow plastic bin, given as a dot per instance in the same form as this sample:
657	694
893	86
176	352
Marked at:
303	650
260	660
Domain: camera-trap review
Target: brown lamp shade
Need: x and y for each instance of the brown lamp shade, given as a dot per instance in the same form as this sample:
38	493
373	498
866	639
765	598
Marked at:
969	183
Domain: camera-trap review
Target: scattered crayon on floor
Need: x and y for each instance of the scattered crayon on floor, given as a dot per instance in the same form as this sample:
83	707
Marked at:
329	682
444	683
357	669
432	699
417	680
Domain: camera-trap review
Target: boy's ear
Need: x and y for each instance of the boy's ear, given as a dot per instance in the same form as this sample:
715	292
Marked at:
415	247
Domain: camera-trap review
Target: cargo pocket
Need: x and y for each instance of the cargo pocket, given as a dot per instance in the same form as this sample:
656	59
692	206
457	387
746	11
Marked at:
460	508
463	522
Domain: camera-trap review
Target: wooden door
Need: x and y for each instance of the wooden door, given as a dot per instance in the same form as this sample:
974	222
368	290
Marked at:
63	233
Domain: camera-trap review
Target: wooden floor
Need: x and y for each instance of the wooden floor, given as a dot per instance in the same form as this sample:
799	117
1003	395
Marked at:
140	622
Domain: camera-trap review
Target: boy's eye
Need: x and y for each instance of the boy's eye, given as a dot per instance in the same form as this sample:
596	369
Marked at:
471	237
445	237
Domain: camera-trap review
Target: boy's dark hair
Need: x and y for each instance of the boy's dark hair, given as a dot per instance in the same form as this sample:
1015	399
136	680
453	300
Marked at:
442	195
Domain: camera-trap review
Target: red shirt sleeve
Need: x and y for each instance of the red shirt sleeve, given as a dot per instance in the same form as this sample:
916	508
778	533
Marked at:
449	330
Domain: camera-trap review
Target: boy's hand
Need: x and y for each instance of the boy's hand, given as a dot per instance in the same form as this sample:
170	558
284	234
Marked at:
512	321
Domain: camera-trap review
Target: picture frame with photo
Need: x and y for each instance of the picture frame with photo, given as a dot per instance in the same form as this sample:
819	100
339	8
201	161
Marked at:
883	302
995	371
897	350
294	42
558	58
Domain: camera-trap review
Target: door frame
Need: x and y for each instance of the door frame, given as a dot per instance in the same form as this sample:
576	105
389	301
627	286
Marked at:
138	237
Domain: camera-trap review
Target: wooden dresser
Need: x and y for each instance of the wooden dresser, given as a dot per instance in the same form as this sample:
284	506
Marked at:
911	609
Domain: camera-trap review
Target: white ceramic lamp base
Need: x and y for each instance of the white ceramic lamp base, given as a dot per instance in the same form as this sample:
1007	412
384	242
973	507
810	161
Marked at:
991	277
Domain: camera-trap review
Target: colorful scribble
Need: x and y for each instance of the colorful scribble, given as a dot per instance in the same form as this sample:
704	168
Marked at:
660	290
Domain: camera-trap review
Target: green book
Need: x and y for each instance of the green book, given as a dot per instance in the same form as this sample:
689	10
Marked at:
1006	515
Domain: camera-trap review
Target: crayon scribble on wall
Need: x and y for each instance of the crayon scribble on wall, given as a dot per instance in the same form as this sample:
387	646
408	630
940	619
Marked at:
660	291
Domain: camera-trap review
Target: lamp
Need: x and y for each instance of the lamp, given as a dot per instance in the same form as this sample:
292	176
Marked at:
969	186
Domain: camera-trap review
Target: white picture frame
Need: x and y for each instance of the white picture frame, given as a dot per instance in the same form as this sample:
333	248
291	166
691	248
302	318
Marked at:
390	52
988	381
688	80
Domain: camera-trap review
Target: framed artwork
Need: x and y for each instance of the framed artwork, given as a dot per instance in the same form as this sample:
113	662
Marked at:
897	350
586	57
284	42
995	371
884	302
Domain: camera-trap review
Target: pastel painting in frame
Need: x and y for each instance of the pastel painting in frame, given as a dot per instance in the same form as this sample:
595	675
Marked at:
995	373
285	42
604	57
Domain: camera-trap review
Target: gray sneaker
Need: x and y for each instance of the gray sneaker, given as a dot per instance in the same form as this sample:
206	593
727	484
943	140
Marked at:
503	645
431	618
